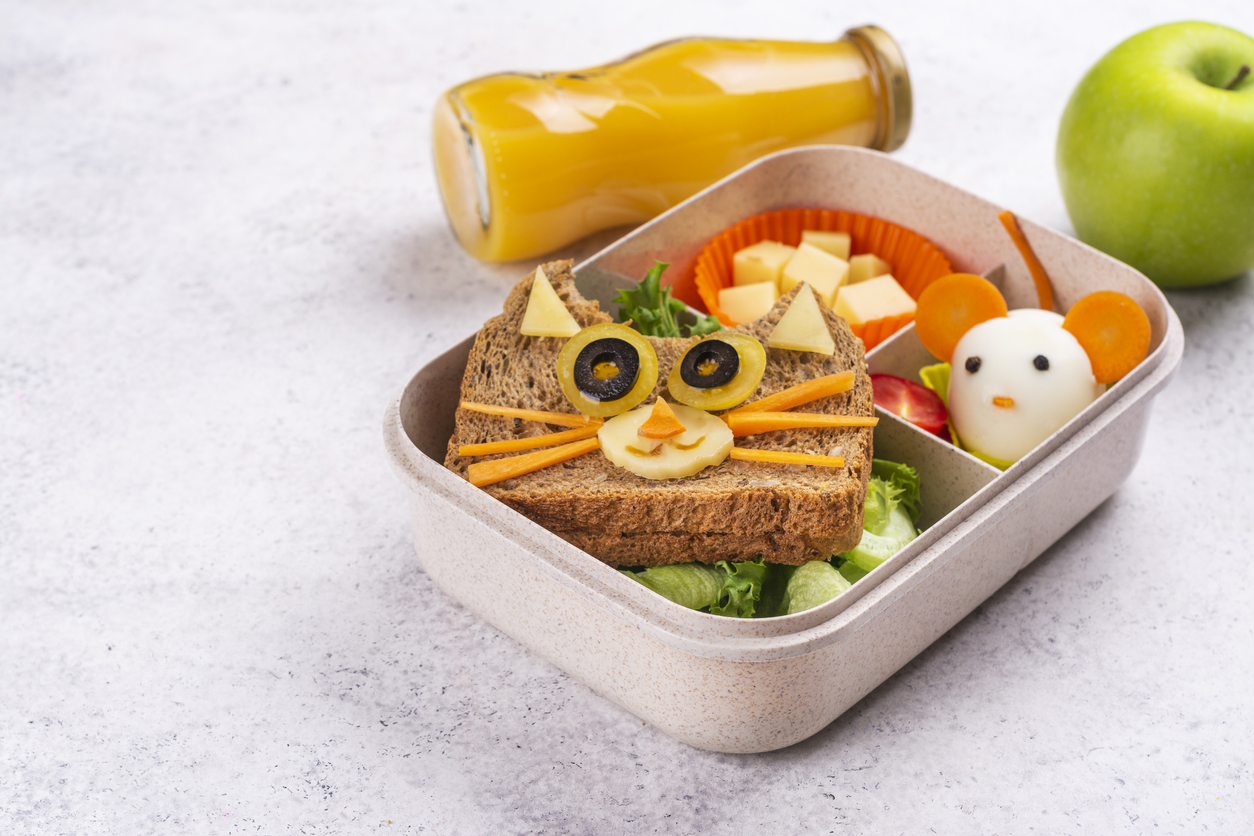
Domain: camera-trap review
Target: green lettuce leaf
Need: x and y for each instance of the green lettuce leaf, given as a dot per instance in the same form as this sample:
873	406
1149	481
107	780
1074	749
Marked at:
741	589
732	589
774	588
905	479
704	324
874	549
692	585
813	583
892	511
850	570
936	378
653	311
882	498
756	589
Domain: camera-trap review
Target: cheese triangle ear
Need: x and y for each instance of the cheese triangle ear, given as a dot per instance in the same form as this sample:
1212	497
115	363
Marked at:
546	315
802	327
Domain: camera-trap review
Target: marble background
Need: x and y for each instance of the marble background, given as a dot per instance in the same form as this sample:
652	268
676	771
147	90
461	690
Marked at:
222	251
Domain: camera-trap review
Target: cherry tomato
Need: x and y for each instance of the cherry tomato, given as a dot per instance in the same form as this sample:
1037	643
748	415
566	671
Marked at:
913	401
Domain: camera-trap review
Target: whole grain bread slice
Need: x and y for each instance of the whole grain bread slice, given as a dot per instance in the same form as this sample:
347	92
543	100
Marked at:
733	511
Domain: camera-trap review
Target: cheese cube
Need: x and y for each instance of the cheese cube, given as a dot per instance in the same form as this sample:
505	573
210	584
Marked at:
836	243
867	266
873	299
821	270
761	262
747	302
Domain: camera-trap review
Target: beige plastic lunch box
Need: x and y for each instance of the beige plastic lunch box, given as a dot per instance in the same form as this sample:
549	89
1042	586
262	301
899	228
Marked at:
788	677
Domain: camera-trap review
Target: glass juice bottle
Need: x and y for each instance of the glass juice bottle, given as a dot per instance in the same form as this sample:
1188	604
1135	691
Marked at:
529	162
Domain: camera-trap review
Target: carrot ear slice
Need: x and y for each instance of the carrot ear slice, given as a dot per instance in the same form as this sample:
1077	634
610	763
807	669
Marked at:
1113	331
953	305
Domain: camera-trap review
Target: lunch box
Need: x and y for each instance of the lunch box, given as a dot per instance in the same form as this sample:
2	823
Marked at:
786	678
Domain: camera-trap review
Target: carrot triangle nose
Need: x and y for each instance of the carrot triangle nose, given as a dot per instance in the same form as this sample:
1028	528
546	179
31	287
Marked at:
661	423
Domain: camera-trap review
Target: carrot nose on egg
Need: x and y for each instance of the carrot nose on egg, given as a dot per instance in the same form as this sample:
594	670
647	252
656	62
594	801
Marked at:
1006	403
662	422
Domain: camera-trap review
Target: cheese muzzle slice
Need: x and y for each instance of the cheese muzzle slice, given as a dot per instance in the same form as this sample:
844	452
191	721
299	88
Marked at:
705	441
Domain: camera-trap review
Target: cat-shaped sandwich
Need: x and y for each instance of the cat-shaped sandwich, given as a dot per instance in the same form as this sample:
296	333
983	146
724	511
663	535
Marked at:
646	451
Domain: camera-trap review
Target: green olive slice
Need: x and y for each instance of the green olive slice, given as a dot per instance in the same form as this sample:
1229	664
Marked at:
735	391
603	401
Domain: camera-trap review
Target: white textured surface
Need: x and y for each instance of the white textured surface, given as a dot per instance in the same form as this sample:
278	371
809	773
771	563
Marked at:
222	252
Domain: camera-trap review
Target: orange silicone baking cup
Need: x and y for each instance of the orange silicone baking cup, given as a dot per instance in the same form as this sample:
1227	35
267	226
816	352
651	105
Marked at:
916	261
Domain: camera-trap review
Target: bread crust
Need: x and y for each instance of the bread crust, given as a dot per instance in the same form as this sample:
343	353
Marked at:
733	511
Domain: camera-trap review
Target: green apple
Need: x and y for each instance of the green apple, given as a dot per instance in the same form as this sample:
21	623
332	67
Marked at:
1156	154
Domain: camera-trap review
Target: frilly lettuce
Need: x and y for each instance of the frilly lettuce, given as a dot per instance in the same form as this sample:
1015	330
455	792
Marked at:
650	307
742	588
725	588
891	514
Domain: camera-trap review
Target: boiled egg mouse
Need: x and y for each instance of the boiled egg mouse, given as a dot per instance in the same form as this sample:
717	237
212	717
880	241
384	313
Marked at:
1015	380
1017	376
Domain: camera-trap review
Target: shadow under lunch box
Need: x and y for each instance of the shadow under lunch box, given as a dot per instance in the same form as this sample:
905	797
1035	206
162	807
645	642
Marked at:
789	676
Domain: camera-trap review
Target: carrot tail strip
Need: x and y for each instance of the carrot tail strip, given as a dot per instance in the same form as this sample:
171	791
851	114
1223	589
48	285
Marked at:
745	454
498	470
801	394
513	445
561	419
751	423
1043	289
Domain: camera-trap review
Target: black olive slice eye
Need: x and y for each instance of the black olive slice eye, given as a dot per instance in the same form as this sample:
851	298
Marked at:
1041	362
606	369
718	372
973	364
709	363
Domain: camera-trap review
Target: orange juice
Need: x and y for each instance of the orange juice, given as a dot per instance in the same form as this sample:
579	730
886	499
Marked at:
527	163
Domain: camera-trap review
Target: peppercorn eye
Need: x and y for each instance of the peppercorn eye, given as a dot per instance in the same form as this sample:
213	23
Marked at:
973	364
1041	362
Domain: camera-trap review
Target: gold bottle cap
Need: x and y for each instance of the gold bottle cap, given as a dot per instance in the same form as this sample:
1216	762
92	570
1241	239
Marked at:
895	99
